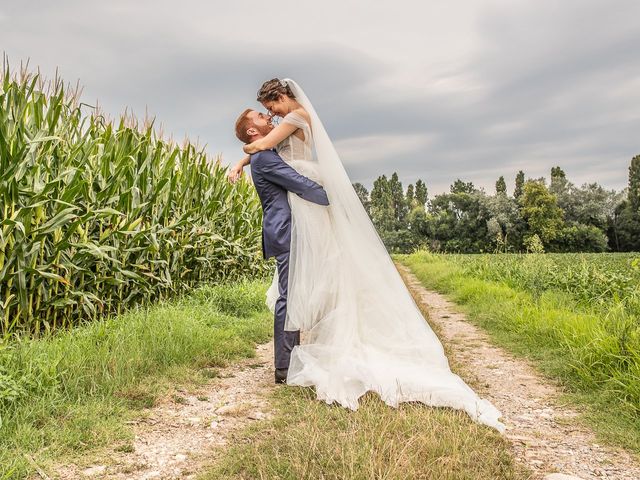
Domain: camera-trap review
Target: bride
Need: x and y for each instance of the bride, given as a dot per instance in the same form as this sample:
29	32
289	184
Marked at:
364	331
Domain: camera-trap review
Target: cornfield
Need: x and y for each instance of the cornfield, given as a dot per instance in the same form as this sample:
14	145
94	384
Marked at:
98	215
594	280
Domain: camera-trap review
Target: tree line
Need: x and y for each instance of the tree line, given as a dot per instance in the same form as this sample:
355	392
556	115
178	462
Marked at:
540	216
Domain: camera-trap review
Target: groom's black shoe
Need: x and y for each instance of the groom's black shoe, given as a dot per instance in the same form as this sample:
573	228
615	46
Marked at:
281	375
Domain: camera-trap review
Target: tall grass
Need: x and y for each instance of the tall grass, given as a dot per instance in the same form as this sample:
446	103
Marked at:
576	315
63	394
97	216
594	280
309	439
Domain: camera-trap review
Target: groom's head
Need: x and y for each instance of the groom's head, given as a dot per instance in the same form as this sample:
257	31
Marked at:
252	125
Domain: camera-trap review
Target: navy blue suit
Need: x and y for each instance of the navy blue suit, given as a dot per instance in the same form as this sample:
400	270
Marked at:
273	179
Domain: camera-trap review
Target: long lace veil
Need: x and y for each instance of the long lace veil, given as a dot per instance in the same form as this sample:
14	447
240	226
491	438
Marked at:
354	229
372	336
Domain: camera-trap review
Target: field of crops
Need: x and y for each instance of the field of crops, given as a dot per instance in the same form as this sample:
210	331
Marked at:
593	280
575	315
97	216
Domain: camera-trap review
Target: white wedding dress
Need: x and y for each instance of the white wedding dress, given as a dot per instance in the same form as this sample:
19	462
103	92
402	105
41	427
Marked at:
364	331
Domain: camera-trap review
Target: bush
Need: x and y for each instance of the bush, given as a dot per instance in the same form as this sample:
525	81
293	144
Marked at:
579	237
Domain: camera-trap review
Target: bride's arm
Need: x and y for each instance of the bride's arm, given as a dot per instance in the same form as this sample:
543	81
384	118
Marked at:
274	137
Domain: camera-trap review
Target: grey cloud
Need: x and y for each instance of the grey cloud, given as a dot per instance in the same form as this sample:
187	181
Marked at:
546	76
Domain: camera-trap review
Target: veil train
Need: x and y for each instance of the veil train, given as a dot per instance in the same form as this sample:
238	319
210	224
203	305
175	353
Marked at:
370	334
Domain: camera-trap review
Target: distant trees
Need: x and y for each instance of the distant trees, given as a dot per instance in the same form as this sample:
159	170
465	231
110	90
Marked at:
363	195
539	209
559	217
517	192
624	227
634	184
501	186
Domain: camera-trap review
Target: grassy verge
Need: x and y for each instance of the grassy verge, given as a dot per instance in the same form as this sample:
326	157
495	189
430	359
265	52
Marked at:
309	439
564	338
72	392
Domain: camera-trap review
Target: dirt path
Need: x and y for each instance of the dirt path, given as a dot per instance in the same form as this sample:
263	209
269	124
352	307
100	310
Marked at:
541	430
184	431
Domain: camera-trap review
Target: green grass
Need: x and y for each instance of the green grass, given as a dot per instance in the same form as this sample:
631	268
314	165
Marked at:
529	307
71	392
308	439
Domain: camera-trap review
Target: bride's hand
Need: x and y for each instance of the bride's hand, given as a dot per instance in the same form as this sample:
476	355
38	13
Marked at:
235	173
250	148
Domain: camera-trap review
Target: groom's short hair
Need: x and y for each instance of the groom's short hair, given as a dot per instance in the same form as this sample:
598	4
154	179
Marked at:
243	124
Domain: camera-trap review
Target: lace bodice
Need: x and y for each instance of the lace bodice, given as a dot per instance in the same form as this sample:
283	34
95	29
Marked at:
293	148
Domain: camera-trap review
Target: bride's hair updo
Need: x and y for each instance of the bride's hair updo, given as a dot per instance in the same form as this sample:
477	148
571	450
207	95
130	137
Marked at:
272	89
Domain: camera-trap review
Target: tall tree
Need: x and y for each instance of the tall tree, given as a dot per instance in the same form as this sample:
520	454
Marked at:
363	195
634	184
627	219
517	192
559	183
501	186
462	187
459	221
505	211
589	204
399	201
382	204
411	198
557	172
421	193
540	210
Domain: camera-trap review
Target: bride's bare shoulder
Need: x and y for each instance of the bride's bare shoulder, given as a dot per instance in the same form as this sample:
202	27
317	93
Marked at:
303	113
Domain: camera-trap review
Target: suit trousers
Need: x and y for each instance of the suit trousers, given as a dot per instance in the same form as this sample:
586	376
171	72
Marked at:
283	342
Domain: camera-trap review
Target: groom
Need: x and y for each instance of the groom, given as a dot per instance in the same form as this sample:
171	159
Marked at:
273	178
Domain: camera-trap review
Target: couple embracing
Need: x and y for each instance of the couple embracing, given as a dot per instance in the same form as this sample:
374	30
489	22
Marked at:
335	280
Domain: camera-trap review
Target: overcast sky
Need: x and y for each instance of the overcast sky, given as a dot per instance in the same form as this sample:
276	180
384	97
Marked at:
469	89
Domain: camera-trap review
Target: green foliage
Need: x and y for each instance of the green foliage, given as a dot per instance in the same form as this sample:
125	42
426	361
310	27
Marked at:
382	211
411	197
504	213
517	192
421	193
589	204
540	210
565	218
625	224
97	216
66	393
559	181
459	221
634	185
501	186
625	229
398	201
578	237
575	315
462	187
533	244
396	216
363	195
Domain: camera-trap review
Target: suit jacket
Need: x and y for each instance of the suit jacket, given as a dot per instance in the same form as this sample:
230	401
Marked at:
273	178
